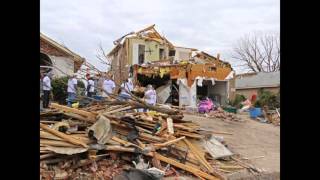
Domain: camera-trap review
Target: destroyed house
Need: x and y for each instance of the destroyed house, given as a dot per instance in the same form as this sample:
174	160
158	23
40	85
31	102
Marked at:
177	77
58	57
184	84
139	47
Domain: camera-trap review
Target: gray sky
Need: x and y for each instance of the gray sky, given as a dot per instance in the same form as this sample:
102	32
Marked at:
209	25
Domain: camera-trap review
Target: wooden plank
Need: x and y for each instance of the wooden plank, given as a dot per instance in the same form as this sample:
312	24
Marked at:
170	126
56	143
79	117
188	134
66	137
197	154
88	115
159	145
125	143
119	148
196	172
118	110
47	155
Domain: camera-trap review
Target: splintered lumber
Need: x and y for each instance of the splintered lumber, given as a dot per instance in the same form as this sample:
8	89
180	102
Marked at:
91	116
217	132
141	145
180	126
47	155
144	130
56	143
195	171
159	145
118	110
249	166
46	135
170	126
230	167
188	134
156	163
197	154
79	117
63	136
125	143
119	148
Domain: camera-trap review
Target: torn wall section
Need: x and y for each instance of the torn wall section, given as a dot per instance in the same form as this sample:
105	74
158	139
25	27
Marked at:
187	95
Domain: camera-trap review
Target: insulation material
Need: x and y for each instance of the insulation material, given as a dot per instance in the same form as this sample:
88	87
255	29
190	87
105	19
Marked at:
187	95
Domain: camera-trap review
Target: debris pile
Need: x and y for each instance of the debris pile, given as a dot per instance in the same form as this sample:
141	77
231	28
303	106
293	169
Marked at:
106	138
222	114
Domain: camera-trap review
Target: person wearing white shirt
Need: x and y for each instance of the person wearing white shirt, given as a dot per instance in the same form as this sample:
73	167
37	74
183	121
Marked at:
150	96
46	87
90	87
108	87
128	85
72	89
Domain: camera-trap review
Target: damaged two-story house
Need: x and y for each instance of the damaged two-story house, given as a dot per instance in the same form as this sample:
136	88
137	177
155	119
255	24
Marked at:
180	75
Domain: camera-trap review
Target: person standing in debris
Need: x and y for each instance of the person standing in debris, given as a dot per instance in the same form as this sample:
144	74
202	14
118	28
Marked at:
108	86
150	96
128	85
124	95
46	87
72	89
90	87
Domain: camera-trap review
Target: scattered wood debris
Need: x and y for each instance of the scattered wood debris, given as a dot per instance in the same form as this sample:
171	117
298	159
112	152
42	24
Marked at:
103	139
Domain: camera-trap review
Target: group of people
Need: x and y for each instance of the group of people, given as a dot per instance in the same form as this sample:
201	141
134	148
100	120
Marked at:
107	88
45	85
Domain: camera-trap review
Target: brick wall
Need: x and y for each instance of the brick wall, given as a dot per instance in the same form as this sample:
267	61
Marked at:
50	50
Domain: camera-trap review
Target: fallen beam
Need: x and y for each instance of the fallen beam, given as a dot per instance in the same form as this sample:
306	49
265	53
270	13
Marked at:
68	138
196	172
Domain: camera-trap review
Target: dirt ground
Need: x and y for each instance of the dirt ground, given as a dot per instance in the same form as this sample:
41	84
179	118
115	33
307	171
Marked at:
250	139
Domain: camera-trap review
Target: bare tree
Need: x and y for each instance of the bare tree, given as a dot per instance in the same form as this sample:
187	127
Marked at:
102	56
260	53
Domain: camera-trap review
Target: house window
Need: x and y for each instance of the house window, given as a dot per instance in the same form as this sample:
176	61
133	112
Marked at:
161	54
211	68
141	51
172	52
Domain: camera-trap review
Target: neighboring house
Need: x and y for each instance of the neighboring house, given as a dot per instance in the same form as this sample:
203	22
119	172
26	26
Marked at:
64	61
250	83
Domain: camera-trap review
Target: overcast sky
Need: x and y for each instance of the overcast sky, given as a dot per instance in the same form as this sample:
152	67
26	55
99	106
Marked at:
209	25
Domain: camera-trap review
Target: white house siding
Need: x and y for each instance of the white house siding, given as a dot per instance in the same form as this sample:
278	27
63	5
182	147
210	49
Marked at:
64	64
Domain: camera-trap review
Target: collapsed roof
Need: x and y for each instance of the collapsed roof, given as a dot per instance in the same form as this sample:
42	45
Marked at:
148	33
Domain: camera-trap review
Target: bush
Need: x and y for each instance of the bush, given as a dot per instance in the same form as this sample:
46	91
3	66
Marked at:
267	98
59	89
237	100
